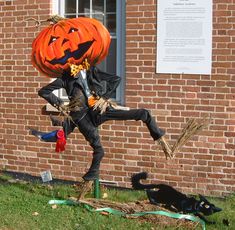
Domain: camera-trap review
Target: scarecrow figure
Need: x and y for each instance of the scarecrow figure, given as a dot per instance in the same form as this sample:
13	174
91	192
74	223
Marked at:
69	50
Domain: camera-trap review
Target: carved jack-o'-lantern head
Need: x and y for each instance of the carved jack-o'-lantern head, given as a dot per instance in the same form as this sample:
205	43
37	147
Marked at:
69	41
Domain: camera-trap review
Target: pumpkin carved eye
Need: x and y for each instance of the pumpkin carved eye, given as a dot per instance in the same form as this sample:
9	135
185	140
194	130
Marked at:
73	30
53	39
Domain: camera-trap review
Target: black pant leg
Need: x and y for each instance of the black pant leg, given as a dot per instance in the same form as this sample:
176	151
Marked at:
68	126
90	132
133	114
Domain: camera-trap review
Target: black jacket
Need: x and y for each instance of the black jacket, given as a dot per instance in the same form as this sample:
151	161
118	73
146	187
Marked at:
101	83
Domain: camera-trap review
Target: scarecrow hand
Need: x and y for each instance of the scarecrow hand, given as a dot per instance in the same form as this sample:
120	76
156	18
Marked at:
101	104
92	101
63	109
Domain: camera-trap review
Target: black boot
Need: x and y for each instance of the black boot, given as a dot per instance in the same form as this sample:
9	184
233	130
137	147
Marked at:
93	172
36	133
91	175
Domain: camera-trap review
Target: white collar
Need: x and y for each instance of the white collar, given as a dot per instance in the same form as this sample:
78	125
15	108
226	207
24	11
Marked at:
83	73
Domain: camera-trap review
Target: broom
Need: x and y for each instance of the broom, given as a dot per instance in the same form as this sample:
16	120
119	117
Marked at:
192	127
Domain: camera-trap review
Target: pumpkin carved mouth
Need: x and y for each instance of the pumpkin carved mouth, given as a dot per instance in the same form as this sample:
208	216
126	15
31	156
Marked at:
77	54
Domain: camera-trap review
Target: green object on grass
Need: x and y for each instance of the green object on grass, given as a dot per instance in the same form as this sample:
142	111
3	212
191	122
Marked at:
120	213
67	202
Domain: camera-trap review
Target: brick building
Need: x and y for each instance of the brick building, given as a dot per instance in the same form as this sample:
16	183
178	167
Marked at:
205	165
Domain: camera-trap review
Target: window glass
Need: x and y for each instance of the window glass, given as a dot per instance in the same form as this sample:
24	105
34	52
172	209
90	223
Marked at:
70	16
70	7
111	23
111	58
99	17
98	6
111	6
84	7
63	93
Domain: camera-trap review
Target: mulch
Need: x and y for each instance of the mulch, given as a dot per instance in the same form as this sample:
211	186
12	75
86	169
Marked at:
144	206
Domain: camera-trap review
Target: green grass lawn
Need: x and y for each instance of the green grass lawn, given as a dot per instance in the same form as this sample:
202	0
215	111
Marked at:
25	206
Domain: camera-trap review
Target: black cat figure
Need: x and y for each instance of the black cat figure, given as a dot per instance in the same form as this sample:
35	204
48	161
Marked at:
173	199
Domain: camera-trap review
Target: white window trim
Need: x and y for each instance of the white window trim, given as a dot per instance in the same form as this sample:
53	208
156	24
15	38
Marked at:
55	7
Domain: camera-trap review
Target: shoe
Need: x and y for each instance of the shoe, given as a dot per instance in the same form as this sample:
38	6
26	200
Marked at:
36	133
91	175
44	136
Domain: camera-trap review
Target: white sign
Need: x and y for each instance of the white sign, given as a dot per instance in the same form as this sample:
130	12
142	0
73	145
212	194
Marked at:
184	36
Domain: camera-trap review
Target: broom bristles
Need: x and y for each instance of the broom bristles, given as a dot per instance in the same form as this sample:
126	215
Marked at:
192	127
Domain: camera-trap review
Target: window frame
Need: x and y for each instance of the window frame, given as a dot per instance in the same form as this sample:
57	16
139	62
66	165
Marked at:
58	8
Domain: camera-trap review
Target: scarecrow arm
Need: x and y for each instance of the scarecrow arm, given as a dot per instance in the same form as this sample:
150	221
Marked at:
112	84
102	83
46	92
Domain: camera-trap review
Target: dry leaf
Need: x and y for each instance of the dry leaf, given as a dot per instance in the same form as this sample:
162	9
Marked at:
35	214
105	195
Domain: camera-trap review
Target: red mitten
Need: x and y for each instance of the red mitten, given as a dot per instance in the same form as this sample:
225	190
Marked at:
61	141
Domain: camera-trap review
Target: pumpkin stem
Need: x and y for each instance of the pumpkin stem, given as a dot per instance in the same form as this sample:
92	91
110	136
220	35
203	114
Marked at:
52	20
55	18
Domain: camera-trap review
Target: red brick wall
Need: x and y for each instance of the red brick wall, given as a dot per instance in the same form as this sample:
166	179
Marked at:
205	164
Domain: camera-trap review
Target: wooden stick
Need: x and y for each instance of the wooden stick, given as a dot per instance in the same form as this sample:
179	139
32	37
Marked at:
85	187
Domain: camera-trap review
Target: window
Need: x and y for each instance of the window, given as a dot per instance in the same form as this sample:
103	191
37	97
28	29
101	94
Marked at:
112	14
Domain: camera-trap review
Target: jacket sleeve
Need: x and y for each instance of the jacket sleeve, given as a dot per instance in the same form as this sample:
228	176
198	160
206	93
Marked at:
46	92
102	83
